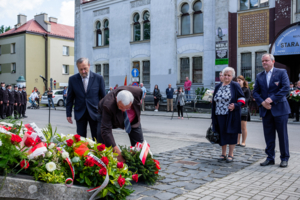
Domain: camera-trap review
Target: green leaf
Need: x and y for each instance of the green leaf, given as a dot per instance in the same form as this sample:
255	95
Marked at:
3	163
87	181
104	192
111	190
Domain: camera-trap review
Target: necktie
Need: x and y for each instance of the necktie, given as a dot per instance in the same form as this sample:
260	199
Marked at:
127	123
85	84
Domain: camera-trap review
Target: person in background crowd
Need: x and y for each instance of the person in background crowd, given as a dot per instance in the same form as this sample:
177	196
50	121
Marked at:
291	86
50	98
296	105
157	96
21	102
271	88
38	95
221	76
298	85
17	102
117	86
253	105
110	90
24	105
228	99
144	96
65	95
4	100
169	93
33	96
244	85
187	89
290	101
11	99
180	102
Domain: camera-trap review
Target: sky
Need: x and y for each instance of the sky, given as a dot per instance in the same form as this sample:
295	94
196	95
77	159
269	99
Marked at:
61	9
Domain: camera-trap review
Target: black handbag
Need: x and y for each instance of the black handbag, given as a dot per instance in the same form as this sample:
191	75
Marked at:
245	111
211	136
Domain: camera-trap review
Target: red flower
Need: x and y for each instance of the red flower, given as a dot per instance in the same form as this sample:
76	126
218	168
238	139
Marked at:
120	165
24	163
102	172
15	139
101	147
70	142
156	172
291	94
89	162
38	140
29	132
135	177
29	142
157	164
77	137
121	180
105	160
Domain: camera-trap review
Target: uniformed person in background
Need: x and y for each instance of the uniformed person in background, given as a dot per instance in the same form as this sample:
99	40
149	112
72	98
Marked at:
11	98
1	100
24	102
4	100
17	103
21	103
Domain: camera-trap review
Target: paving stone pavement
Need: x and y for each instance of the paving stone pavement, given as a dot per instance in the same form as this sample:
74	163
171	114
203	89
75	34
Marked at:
186	169
254	182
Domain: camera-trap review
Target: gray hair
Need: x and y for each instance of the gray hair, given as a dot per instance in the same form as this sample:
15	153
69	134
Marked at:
268	54
81	60
229	69
125	97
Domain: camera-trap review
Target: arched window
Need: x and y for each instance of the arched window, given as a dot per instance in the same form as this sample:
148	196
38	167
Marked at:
106	32
198	18
98	34
185	19
146	18
136	28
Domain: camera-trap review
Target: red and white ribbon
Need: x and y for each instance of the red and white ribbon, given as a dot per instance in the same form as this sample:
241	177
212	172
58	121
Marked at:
37	150
61	150
99	163
144	152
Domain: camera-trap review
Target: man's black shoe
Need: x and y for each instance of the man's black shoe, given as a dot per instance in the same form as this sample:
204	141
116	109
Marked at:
284	164
267	162
296	121
24	116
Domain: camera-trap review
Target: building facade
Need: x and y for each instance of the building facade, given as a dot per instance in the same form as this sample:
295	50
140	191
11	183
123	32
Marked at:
37	47
167	41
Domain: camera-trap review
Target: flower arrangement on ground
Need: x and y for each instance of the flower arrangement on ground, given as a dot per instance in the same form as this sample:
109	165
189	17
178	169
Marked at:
295	95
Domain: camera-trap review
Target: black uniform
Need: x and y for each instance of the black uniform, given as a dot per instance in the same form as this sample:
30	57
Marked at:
21	104
11	97
5	99
291	103
18	101
1	105
24	103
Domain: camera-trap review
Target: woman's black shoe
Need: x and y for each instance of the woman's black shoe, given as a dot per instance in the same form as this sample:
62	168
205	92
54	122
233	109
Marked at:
267	162
222	159
229	160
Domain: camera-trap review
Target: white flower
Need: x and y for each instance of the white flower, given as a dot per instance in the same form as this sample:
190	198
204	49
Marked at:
49	154
62	135
65	155
50	166
83	139
91	142
21	135
51	146
0	143
69	136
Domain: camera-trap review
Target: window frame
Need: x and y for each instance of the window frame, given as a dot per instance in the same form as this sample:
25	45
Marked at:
106	32
182	80
0	68
98	32
297	6
256	66
146	22
146	73
96	71
135	23
194	70
246	68
106	75
63	69
67	51
13	68
258	6
13	48
181	19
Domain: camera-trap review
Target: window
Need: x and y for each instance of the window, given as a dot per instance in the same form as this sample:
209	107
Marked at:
217	76
13	68
246	65
106	74
198	18
249	4
98	34
197	70
146	72
65	50
136	28
185	19
59	92
297	8
146	25
0	50
184	69
0	69
65	69
106	32
13	48
98	69
258	64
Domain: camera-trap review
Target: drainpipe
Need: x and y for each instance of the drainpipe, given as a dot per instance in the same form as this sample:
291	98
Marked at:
46	59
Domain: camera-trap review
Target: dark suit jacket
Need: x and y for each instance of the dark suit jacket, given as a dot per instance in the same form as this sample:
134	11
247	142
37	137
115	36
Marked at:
277	92
17	97
112	116
21	98
24	97
234	117
169	93
85	101
11	96
5	97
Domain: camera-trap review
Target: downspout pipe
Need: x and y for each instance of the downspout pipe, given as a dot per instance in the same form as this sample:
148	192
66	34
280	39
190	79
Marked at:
46	59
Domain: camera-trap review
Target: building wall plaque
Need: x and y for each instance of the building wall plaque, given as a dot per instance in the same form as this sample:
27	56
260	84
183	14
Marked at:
101	12
138	3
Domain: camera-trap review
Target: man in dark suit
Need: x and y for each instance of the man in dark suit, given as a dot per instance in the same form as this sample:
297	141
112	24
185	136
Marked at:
169	93
17	102
21	103
121	108
24	103
4	100
87	89
271	88
11	98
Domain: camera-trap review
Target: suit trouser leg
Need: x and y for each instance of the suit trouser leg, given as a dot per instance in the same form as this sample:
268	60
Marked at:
4	110
93	126
282	131
8	111
24	109
270	134
136	135
296	108
16	111
20	110
81	125
171	103
99	136
168	104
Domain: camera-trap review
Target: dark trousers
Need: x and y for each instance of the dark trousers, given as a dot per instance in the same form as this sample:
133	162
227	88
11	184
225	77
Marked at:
272	124
64	98
24	109
10	110
291	104
295	109
136	134
21	107
17	111
82	125
180	110
1	110
4	108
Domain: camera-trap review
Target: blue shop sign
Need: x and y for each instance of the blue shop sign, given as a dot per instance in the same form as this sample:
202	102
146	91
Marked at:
288	43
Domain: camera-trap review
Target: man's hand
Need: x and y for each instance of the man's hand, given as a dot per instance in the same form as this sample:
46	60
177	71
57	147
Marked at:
154	97
269	100
70	120
16	104
231	107
1	102
266	105
119	157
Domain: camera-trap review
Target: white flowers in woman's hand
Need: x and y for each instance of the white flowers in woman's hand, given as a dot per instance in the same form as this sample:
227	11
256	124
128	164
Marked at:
65	155
50	166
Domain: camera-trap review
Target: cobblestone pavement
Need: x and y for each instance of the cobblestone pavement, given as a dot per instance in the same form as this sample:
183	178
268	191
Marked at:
185	169
254	182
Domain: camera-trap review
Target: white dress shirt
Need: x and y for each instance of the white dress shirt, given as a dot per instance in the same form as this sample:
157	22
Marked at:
269	75
87	79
